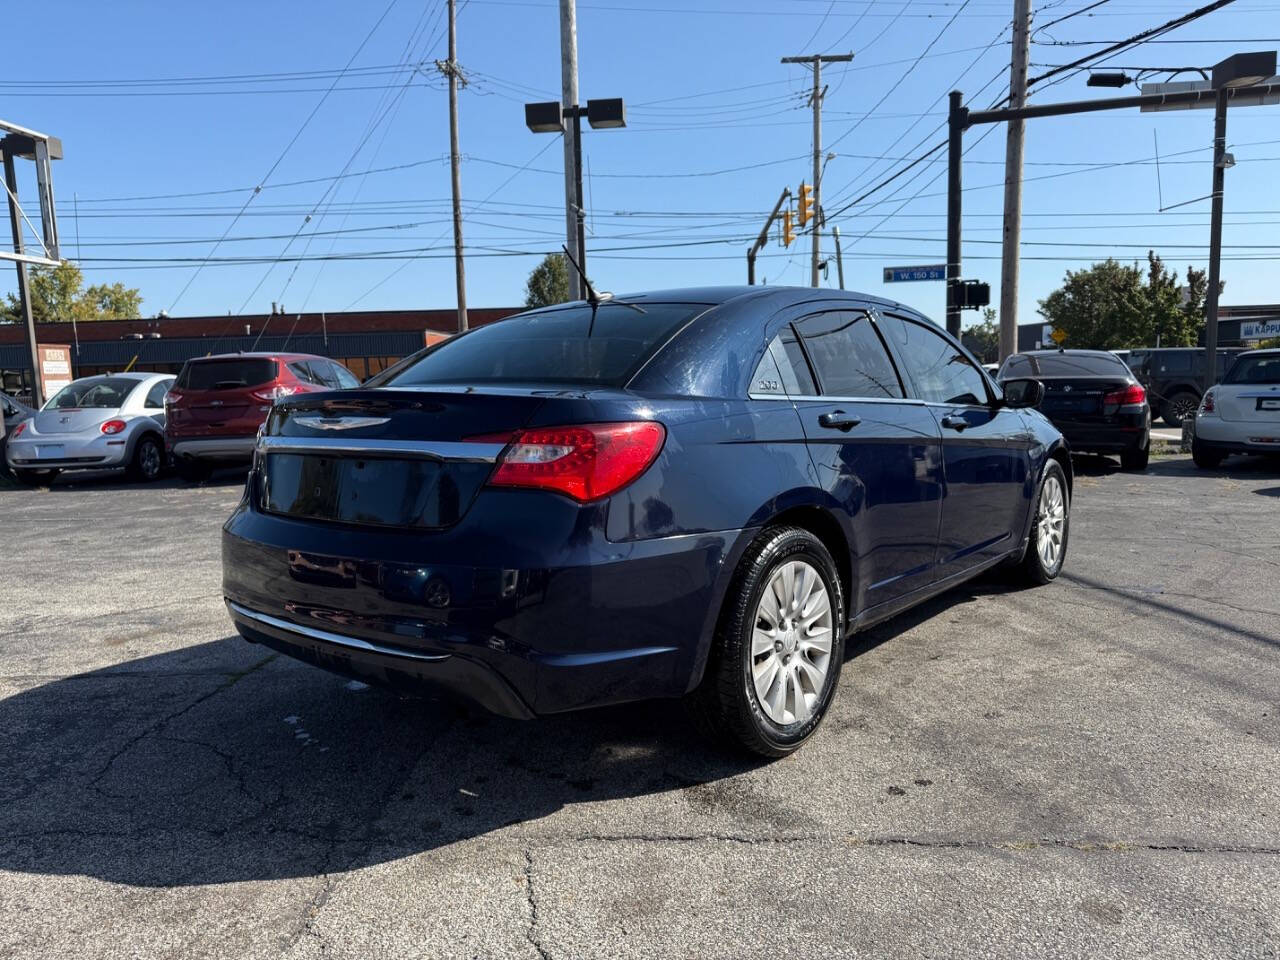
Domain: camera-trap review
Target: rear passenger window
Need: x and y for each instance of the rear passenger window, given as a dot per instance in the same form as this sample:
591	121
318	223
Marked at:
940	370
346	379
848	356
783	370
302	370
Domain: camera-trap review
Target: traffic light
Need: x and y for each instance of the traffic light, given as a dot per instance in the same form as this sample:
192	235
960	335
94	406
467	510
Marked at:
787	235
806	204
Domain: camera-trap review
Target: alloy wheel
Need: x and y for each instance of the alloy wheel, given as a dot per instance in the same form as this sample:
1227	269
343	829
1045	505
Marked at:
1052	521
791	643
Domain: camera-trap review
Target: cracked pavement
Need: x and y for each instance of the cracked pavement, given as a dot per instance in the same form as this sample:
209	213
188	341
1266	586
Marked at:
1087	769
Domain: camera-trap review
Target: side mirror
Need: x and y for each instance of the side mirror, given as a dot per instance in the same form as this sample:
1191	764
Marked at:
1023	392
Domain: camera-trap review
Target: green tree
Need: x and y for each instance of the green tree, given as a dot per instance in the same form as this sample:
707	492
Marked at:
58	295
1101	308
548	283
983	338
1111	306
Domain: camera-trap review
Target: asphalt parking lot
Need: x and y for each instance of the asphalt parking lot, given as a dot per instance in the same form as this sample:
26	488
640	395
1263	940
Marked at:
1088	769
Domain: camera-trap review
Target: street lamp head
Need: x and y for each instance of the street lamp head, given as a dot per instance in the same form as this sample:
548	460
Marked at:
1244	69
606	114
543	117
1109	79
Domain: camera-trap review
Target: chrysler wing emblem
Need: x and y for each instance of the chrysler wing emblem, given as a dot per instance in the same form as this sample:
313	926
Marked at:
340	423
1067	388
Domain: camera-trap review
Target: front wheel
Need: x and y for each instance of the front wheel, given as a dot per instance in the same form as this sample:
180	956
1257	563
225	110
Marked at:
1047	546
777	653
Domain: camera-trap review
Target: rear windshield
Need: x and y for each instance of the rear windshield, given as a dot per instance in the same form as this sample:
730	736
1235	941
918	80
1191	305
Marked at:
102	392
1063	365
229	374
557	346
1264	368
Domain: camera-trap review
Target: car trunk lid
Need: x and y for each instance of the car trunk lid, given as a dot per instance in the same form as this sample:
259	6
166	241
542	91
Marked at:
71	419
387	457
1080	398
1254	402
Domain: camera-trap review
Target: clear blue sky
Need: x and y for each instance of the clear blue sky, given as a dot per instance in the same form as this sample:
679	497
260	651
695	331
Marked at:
706	97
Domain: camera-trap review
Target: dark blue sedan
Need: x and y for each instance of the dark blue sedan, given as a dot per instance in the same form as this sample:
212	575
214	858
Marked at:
693	493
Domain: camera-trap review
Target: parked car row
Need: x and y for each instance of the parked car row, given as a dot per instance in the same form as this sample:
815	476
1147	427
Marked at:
207	416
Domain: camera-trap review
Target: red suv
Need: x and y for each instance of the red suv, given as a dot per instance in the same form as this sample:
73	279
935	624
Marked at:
214	409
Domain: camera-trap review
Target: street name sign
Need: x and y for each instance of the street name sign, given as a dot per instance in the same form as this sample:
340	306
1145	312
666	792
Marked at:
933	271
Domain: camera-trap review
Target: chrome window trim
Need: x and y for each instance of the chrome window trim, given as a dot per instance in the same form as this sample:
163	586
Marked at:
337	639
373	447
808	396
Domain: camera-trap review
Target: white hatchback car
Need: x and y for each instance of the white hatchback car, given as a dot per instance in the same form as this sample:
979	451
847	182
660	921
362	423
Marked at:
1242	413
95	423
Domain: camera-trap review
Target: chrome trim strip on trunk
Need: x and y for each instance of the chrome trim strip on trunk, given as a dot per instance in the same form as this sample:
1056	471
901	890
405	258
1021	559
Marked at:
337	639
373	447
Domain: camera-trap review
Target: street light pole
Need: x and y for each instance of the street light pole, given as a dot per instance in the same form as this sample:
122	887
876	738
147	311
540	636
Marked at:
579	204
957	118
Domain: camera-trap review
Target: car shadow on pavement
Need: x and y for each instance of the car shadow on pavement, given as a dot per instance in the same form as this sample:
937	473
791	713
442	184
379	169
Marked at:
223	762
1254	468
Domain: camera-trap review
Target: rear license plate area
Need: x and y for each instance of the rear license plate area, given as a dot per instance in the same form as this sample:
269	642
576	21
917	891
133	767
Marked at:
381	492
1268	403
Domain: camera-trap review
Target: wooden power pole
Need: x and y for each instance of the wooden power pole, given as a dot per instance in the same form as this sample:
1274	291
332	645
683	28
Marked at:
451	69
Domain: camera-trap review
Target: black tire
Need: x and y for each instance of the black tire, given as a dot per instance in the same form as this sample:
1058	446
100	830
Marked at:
1178	407
1205	458
192	471
1136	459
725	705
147	463
34	478
1033	569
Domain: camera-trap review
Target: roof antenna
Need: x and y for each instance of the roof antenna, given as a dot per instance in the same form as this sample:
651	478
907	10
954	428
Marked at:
593	298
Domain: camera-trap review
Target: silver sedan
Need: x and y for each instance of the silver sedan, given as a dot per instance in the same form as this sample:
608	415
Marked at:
114	421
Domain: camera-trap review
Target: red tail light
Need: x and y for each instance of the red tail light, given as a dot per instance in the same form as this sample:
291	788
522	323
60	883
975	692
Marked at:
17	431
1206	405
1129	396
584	462
113	426
272	393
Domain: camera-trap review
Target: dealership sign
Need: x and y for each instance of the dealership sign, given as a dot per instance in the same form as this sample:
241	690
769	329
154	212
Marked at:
1259	329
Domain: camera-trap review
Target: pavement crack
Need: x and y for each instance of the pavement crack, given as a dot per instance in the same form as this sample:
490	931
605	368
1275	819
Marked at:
532	932
133	741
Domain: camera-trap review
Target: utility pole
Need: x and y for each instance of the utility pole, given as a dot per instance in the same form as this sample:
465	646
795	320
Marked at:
572	133
451	69
816	61
835	235
1010	254
1215	237
957	120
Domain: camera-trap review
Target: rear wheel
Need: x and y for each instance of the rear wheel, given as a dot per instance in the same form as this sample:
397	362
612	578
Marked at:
1136	459
1205	458
192	471
1179	406
1047	547
778	649
148	459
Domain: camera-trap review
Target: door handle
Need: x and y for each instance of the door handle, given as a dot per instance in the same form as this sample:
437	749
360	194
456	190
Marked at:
838	420
954	422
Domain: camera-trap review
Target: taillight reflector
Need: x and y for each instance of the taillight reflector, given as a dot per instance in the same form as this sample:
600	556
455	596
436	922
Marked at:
17	431
1129	396
585	462
113	427
273	393
1206	405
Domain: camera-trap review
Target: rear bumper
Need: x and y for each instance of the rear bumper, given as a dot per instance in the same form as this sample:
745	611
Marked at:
63	452
508	622
213	448
1238	436
1106	438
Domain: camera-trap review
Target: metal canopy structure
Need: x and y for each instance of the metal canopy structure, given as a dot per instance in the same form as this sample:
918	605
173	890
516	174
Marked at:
20	143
